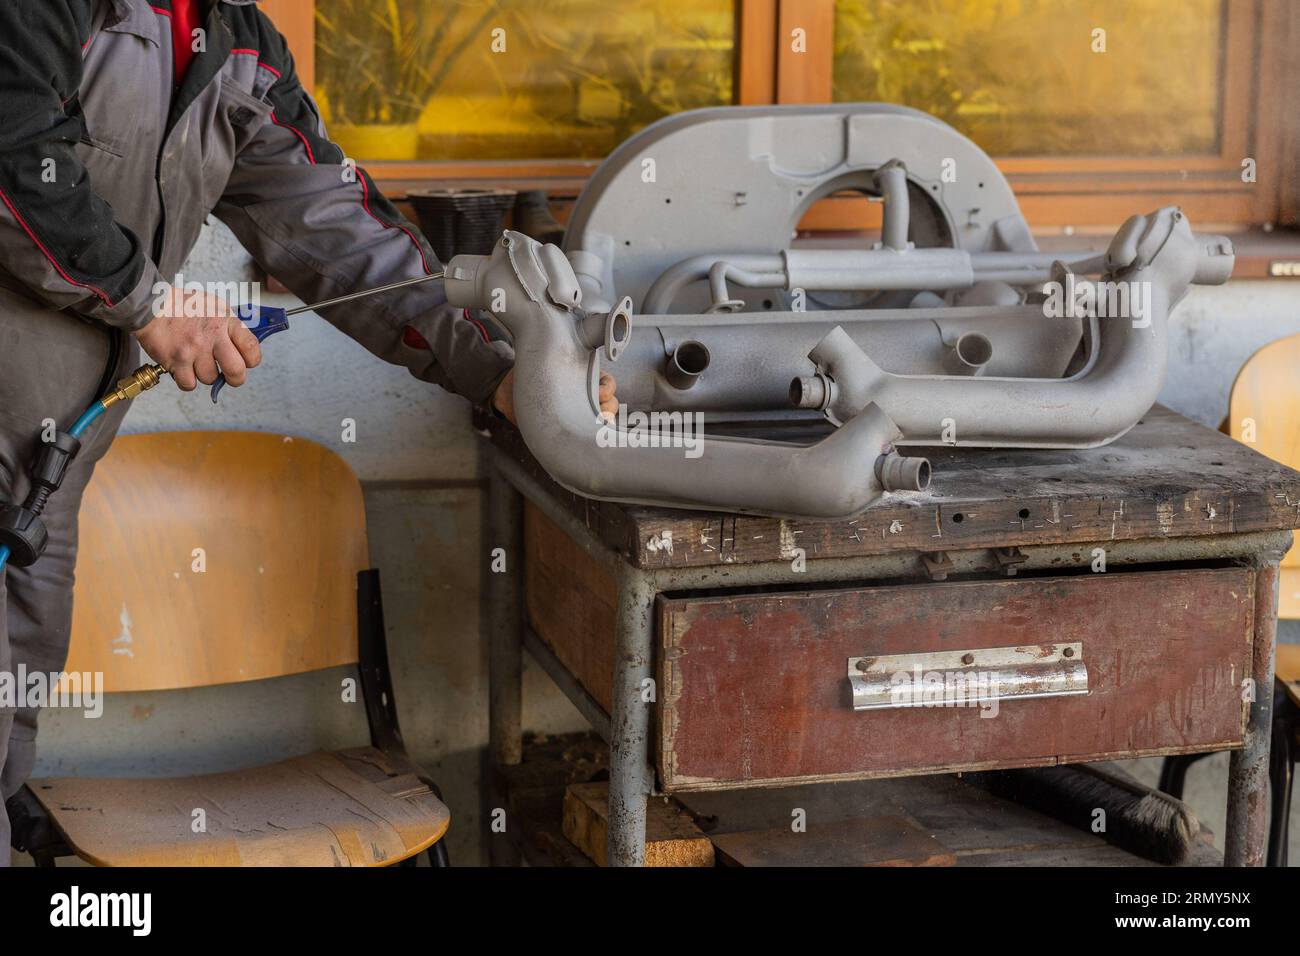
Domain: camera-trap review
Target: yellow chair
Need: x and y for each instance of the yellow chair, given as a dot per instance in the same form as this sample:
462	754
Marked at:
1285	748
1265	406
1264	413
219	557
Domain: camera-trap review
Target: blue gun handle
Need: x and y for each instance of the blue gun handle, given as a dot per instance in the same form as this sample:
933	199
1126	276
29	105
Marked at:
262	321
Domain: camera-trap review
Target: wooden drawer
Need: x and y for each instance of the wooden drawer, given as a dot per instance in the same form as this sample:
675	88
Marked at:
754	688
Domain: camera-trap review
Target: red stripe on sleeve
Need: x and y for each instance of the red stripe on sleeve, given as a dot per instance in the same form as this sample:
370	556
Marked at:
46	252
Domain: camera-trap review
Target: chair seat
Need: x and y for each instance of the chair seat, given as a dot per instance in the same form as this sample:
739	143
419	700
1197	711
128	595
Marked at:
357	807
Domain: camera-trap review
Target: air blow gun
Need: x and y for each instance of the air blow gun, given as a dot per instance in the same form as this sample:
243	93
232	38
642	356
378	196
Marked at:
23	536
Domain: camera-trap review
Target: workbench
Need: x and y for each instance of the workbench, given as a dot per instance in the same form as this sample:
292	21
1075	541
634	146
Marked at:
1132	589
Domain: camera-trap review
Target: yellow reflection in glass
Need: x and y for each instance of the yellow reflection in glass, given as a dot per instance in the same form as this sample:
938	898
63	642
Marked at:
1027	77
514	79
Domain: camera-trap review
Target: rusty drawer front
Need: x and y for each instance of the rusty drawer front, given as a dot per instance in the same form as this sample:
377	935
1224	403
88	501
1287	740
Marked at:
753	688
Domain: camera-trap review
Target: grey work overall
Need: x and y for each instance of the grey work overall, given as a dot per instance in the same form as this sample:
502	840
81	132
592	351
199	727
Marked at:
108	170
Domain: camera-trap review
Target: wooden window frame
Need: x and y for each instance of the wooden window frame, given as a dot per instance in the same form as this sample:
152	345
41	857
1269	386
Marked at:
1055	193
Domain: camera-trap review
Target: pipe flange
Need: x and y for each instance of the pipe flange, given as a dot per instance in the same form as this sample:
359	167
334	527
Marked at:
618	329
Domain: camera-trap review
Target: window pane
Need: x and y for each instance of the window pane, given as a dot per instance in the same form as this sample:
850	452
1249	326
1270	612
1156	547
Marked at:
1020	77
575	77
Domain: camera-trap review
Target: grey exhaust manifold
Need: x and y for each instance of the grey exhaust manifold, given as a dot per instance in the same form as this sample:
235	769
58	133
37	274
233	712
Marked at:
531	289
941	333
1157	257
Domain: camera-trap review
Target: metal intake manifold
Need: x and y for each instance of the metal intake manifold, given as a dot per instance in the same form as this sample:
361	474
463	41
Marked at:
952	329
532	290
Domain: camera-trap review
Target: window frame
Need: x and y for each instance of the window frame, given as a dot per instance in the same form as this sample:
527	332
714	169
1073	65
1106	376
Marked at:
1055	193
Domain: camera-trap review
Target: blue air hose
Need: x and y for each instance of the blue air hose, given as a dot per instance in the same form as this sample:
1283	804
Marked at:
89	415
20	526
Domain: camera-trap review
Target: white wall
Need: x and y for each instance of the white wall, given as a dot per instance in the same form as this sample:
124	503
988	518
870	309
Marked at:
1214	331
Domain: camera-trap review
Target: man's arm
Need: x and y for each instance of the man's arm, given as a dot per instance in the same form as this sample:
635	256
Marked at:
324	230
58	238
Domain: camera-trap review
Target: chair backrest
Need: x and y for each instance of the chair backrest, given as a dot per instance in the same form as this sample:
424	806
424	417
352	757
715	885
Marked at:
216	557
1264	412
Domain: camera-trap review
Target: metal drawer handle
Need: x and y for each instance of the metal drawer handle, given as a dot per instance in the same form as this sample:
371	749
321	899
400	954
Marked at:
967	678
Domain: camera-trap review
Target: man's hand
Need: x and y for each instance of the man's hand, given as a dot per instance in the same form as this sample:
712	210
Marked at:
608	400
504	399
196	336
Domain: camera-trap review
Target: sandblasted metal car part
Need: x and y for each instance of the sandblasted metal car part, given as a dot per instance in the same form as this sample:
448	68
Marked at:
953	328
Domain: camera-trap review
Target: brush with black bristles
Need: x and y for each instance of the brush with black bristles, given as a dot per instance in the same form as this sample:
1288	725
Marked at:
1138	818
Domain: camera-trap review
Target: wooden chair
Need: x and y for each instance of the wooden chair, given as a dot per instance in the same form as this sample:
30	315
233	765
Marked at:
1265	400
1284	749
1264	412
218	557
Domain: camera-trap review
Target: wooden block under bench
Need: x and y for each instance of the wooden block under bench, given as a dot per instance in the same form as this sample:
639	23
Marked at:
671	837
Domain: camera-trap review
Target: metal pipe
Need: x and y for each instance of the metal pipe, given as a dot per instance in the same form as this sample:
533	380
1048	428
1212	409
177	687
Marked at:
872	270
505	613
897	473
969	354
720	295
542	493
891	180
686	364
1082	411
631	778
755	355
595	279
568	684
364	294
1021	268
660	458
887	268
676	277
656	460
1246	829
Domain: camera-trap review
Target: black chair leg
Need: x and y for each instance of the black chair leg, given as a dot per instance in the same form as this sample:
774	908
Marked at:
377	690
32	831
1281	774
1173	773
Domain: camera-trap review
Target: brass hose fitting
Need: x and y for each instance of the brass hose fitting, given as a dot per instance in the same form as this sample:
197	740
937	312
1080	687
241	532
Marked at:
141	380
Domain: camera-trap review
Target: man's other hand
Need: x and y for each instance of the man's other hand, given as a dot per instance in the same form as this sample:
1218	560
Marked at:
504	398
196	336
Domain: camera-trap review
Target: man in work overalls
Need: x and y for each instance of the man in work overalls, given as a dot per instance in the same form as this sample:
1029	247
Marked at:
123	125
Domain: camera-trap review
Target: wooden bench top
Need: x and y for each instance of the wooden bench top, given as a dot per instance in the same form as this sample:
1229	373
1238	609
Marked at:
1168	477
